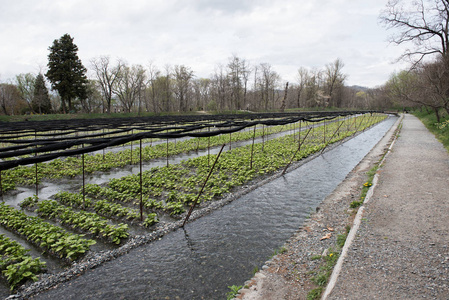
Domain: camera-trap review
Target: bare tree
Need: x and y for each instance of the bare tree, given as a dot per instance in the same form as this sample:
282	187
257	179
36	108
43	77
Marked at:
202	89
220	87
313	89
302	78
238	74
10	99
268	82
129	86
422	23
334	80
107	76
435	77
153	74
182	84
93	101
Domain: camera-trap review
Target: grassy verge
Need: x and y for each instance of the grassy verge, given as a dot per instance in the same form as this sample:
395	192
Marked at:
321	277
440	130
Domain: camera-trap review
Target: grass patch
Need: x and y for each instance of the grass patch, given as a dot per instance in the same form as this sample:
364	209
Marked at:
322	276
330	260
366	186
440	130
315	293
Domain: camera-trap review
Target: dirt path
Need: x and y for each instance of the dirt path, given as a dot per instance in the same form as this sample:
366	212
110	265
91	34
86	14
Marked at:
400	250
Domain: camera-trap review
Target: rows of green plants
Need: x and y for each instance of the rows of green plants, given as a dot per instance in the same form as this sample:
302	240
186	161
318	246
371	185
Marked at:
16	265
50	238
86	222
171	189
166	190
103	207
72	166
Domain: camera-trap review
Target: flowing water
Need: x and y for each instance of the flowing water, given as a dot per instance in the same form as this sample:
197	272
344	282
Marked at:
224	247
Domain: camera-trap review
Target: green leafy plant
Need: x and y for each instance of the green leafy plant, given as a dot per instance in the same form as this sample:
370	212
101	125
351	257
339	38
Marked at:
45	235
234	290
15	263
29	202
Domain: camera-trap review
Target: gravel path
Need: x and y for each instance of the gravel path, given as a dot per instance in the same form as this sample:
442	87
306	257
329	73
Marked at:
401	249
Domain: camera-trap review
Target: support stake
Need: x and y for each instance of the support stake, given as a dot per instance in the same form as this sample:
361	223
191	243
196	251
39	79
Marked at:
141	189
252	148
202	188
84	181
1	186
331	137
296	152
132	131
37	180
167	152
208	148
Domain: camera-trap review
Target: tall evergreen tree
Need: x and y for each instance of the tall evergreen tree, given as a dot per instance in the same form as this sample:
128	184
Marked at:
41	101
66	72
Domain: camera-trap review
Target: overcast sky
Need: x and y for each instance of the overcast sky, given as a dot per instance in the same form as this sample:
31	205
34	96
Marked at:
201	34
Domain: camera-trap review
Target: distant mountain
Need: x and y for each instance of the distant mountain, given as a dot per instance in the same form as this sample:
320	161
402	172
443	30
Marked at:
359	88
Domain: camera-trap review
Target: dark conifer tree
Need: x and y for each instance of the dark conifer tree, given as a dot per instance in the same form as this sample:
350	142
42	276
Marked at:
41	100
66	72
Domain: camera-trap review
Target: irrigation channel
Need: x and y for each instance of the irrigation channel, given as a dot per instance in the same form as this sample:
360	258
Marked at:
222	248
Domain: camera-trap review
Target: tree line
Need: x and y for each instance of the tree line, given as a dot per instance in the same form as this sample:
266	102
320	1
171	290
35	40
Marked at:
116	86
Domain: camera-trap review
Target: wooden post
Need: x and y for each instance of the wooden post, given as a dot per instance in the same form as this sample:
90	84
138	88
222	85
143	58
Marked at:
84	192
252	148
324	135
167	152
263	136
132	130
141	189
208	148
35	164
202	188
1	186
284	100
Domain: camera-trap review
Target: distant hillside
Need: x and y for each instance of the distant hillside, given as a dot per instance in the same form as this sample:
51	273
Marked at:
359	88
